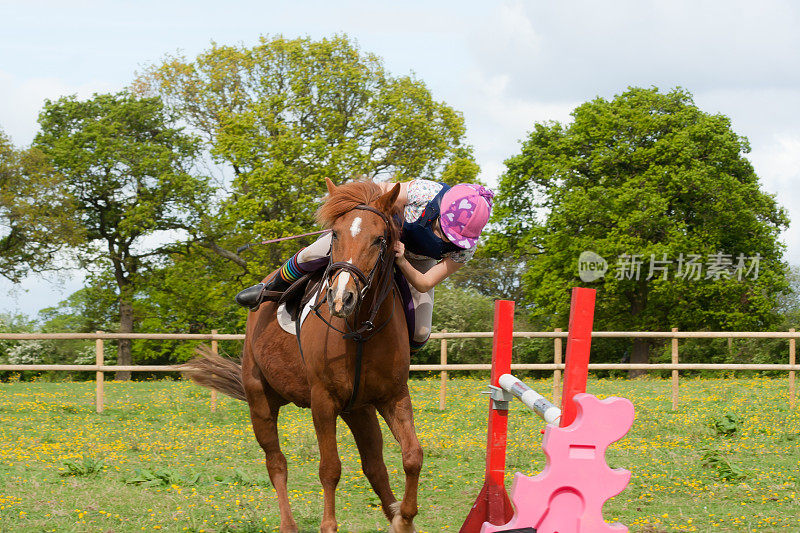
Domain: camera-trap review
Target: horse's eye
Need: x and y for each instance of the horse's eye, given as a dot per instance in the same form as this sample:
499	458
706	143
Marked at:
378	242
334	236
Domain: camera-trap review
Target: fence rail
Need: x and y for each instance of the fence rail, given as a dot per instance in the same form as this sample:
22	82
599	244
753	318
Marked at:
557	334
556	366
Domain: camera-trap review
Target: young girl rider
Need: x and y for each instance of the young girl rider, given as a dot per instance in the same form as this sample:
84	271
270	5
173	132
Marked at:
441	226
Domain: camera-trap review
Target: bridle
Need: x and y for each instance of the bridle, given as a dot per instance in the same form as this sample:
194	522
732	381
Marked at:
381	273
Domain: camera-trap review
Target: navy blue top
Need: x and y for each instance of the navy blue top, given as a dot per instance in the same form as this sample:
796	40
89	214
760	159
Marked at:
418	236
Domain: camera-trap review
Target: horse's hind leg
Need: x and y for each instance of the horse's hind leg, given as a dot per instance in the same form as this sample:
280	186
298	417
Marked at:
400	419
264	406
363	423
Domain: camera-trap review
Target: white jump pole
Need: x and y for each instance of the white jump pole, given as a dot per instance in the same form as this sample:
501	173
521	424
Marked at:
532	399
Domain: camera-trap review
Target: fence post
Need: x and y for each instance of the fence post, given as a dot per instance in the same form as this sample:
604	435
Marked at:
443	373
214	350
792	359
557	371
99	359
674	372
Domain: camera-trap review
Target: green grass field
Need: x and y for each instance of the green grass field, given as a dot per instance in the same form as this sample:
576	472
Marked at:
158	459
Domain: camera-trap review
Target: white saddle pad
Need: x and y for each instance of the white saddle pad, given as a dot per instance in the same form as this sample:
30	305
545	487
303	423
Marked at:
285	320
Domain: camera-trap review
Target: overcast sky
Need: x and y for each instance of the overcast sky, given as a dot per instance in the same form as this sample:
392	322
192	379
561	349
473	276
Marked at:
504	64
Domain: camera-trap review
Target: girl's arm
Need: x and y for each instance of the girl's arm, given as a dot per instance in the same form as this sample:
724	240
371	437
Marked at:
431	278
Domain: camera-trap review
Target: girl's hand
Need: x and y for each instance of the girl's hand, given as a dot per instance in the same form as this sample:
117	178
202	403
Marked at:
399	252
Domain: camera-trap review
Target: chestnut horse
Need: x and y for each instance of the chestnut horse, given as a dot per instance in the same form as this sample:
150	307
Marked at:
275	372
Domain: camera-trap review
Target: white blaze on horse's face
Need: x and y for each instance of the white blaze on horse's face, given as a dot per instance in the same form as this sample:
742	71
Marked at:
355	227
356	236
341	284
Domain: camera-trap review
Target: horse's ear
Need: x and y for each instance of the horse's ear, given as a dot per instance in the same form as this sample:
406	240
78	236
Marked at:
386	202
331	186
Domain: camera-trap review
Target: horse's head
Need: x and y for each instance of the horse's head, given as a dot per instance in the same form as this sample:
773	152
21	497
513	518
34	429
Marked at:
359	216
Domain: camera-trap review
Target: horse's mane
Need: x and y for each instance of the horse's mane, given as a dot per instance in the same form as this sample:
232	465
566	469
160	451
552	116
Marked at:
346	197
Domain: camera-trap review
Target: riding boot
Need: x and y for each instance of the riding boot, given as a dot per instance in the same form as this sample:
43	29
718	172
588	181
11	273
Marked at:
252	297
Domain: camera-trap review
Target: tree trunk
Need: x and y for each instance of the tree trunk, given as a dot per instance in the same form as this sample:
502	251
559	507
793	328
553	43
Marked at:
639	354
124	345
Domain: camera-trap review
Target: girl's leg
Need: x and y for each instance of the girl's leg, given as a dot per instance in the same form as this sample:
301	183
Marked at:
315	255
423	308
309	259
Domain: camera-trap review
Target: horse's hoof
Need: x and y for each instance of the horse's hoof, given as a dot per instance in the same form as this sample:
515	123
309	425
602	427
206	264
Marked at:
400	524
328	527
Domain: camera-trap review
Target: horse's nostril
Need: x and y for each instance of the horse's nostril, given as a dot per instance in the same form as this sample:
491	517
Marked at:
348	299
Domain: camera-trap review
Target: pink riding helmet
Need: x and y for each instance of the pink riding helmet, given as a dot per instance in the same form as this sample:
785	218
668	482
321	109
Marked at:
464	212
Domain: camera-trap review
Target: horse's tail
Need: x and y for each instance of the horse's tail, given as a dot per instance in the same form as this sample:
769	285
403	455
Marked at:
215	372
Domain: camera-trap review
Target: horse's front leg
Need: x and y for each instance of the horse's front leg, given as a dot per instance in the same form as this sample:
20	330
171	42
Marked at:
400	419
363	423
323	412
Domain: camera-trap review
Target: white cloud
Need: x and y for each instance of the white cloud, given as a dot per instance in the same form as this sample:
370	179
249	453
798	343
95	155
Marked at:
580	49
779	163
517	32
758	114
770	119
778	166
497	121
537	61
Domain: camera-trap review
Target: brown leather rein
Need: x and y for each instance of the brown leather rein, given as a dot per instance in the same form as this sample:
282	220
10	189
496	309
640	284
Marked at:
382	274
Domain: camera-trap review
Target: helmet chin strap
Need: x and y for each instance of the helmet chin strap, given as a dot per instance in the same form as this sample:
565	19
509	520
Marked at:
438	231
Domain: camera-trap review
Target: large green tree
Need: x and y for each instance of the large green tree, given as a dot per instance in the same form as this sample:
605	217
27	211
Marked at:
664	193
129	169
280	116
36	213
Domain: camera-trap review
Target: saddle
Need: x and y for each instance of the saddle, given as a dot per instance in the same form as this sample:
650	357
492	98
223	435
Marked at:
300	293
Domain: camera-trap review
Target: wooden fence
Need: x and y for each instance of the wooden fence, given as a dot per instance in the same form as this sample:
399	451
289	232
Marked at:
443	367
